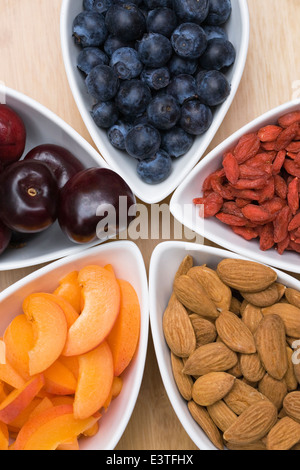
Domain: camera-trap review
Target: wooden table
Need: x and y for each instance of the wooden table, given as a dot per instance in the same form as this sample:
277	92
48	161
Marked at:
31	62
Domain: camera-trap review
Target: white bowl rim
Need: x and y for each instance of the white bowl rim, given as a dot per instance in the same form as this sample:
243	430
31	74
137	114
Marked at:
159	195
169	383
132	248
258	255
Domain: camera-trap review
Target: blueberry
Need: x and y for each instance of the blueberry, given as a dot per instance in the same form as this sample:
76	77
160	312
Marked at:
212	87
113	43
155	169
102	83
89	29
191	10
214	32
155	50
219	12
156	78
189	41
152	4
220	53
164	112
183	88
89	58
117	134
105	114
126	21
133	97
162	21
178	65
176	142
100	6
142	141
135	2
196	117
126	63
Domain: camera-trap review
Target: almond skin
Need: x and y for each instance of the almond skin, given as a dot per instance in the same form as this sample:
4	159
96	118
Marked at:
242	396
214	357
274	390
202	417
205	330
293	297
251	367
246	276
235	333
271	346
252	316
184	382
222	415
266	298
290	316
284	435
212	387
290	377
186	264
216	290
291	405
253	424
192	295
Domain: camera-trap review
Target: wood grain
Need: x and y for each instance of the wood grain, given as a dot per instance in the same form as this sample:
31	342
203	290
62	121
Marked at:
31	62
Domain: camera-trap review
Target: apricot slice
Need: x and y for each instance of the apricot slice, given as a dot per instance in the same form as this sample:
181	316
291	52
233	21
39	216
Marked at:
60	400
10	376
124	337
2	352
50	332
3	394
115	391
69	311
25	414
71	362
51	428
44	405
4	437
96	375
69	445
92	431
101	296
70	290
18	400
59	380
19	340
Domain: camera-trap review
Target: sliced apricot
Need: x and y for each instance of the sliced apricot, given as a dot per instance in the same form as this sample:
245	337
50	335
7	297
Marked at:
45	404
69	311
19	340
10	376
71	362
96	375
101	295
60	400
2	352
69	445
50	332
70	290
51	428
18	400
115	391
124	337
3	393
59	380
92	431
21	419
4	437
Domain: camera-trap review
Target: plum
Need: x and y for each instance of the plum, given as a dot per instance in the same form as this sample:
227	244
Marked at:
91	197
28	197
63	163
5	237
12	135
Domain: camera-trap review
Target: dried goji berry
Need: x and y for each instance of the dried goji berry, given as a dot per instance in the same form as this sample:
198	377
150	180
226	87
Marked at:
291	168
212	204
245	232
293	196
224	191
282	246
297	160
241	202
230	207
247	147
207	182
269	133
256	214
249	194
268	145
278	162
231	167
287	136
229	219
294	147
294	223
244	183
268	192
289	119
251	172
281	224
274	205
280	187
294	246
262	159
267	237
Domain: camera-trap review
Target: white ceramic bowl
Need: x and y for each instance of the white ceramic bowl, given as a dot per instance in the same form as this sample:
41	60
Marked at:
238	31
44	127
165	261
212	228
128	263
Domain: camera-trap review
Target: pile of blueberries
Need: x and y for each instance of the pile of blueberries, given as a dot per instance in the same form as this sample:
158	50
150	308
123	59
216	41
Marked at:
156	69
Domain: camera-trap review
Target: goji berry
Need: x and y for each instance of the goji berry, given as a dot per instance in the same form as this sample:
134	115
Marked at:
212	204
274	205
289	119
280	187
224	191
249	194
293	196
244	183
294	246
282	246
278	162
232	220
269	133
230	207
262	159
281	224
241	202
247	147
207	182
291	168
268	192
287	136
252	172
256	214
268	145
294	147
294	223
231	167
267	237
245	232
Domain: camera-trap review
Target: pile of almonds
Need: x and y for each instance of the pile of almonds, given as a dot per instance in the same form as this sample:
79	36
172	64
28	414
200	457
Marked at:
233	335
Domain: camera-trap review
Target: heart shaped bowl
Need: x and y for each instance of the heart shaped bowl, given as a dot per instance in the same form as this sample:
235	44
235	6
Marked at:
128	264
165	261
212	228
45	127
238	32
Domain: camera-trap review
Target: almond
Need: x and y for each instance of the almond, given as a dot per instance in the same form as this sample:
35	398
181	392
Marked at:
274	390
259	445
246	276
202	417
266	298
271	346
252	316
236	371
291	405
192	295
205	330
296	359
293	297
235	333
235	306
214	357
290	316
242	396
222	415
251	367
178	330
253	424
216	290
284	435
290	377
184	382
185	266
212	387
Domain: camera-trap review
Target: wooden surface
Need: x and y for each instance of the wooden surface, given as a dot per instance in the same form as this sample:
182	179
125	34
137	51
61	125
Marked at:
31	62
